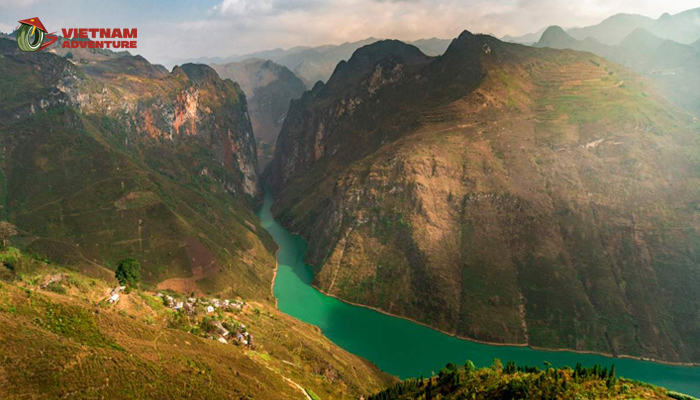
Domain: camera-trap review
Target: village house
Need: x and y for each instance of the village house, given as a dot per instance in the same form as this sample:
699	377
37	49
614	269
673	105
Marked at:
220	329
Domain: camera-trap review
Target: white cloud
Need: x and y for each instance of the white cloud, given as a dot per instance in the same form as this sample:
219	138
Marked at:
244	7
7	28
16	3
263	7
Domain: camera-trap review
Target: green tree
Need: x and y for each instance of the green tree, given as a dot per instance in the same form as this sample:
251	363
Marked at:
7	230
129	272
469	367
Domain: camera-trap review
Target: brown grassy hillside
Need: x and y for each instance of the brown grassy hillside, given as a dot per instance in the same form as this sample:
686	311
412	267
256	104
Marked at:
65	340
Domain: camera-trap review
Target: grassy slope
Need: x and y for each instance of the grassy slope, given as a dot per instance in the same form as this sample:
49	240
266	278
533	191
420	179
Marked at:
86	191
554	205
66	340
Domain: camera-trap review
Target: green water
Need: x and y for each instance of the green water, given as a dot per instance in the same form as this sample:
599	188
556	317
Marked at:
407	349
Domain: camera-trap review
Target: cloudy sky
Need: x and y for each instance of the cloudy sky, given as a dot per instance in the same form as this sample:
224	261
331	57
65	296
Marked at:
171	30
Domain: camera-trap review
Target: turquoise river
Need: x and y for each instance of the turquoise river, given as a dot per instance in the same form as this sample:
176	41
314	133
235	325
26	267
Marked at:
406	349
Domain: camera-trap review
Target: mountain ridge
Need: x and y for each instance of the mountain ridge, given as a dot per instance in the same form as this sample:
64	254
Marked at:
387	181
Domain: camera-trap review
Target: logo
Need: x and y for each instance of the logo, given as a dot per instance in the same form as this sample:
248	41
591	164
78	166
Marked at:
32	34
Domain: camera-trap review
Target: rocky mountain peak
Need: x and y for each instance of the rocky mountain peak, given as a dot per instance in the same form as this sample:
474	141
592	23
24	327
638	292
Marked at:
555	37
200	73
468	45
375	58
366	57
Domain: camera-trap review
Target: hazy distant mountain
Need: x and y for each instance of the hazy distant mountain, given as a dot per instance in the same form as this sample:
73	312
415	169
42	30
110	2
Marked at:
528	38
672	66
683	28
641	41
556	38
613	29
313	64
317	63
269	87
433	46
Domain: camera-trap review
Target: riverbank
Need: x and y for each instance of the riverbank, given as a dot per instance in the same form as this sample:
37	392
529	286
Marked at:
274	276
473	340
538	348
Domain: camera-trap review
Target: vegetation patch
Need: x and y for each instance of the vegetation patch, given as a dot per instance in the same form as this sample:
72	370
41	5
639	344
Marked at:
71	322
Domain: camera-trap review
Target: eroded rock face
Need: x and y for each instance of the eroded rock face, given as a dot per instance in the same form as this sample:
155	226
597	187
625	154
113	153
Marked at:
492	193
161	107
200	106
113	158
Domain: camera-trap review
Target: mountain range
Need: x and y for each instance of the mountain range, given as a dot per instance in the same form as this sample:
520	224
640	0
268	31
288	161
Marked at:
683	27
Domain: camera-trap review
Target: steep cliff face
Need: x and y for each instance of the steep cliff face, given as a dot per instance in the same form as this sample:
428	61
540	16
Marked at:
117	158
502	193
269	88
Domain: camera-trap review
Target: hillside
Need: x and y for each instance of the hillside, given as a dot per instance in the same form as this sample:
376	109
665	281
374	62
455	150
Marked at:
269	87
502	193
115	158
59	336
515	382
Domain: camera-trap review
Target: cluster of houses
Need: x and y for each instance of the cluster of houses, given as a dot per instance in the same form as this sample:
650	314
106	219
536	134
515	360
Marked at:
236	333
190	306
239	335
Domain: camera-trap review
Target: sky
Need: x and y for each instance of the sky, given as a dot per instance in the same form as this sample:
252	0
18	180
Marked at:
174	30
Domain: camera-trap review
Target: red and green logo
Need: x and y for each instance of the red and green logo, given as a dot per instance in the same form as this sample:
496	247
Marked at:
31	35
